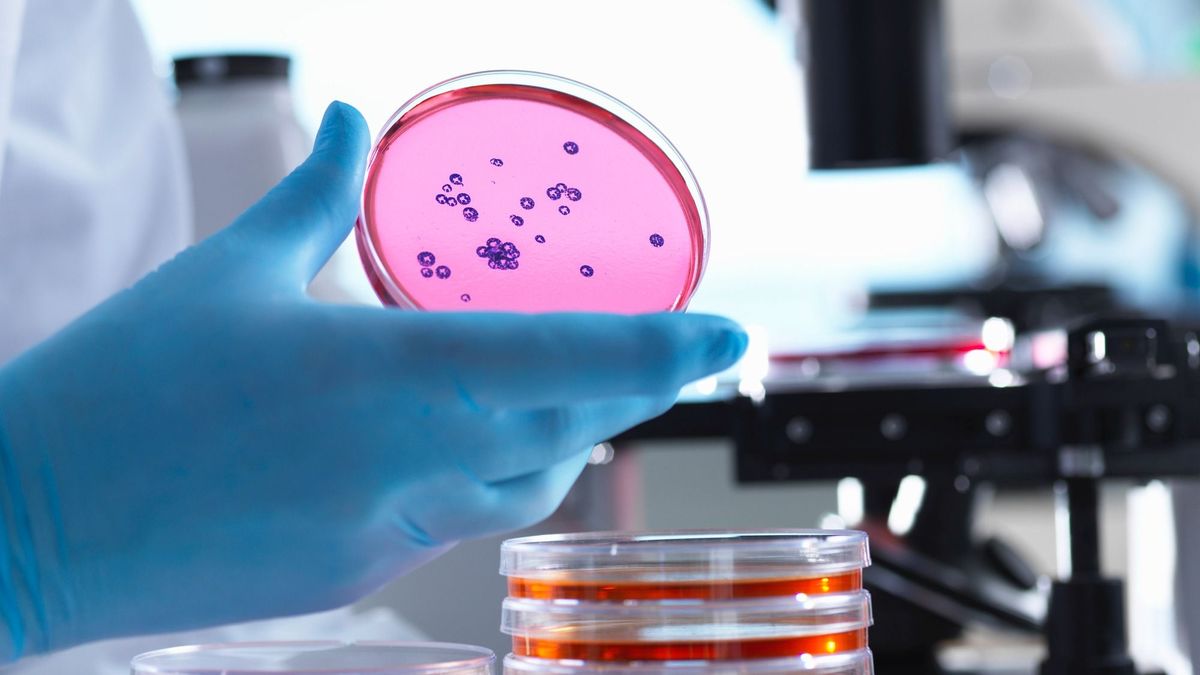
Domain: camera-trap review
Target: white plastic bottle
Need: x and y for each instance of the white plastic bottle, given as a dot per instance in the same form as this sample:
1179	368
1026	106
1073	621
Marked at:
242	136
241	132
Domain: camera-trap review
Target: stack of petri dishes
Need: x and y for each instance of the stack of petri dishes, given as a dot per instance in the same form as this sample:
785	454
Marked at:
776	601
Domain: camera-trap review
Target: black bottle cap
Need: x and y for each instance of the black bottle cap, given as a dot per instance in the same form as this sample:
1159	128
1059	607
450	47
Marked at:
215	68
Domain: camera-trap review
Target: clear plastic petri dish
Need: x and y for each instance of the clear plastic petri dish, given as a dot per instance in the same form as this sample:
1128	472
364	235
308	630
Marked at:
684	565
522	191
669	630
311	657
851	663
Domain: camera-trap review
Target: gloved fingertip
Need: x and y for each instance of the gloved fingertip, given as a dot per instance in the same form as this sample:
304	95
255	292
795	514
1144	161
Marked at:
727	341
342	127
737	341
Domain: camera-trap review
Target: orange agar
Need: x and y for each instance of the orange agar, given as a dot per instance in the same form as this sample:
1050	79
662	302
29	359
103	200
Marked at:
722	650
607	591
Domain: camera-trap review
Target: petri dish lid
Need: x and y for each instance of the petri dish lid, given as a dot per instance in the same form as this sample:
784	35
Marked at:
696	556
522	191
687	620
850	663
311	657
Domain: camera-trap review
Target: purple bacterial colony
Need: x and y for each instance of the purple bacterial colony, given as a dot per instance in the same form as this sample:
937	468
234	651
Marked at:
426	259
527	203
571	147
517	220
500	256
466	297
557	191
540	239
444	197
656	240
496	161
587	270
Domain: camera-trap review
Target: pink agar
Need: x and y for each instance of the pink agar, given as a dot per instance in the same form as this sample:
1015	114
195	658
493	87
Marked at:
555	204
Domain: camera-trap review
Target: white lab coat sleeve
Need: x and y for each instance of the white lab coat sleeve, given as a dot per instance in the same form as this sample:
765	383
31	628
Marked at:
10	39
94	190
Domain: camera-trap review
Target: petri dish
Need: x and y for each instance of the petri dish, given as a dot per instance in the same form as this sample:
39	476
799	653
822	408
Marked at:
528	192
688	630
851	663
311	657
684	565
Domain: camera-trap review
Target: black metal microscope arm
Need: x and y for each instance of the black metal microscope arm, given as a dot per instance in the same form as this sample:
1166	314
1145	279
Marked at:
1123	405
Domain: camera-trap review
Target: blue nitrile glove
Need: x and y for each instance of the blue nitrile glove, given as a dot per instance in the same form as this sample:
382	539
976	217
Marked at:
213	446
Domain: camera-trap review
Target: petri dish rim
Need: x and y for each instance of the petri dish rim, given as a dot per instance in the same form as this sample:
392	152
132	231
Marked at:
819	614
849	663
558	555
482	661
377	269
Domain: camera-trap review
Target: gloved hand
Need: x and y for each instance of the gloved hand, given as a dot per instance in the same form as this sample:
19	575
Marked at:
213	446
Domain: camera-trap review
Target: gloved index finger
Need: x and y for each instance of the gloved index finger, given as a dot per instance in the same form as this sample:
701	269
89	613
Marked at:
515	360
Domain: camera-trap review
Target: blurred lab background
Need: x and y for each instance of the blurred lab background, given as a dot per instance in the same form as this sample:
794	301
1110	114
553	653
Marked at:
1040	165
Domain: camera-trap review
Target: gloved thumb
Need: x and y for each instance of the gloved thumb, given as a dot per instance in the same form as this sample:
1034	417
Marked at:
292	231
